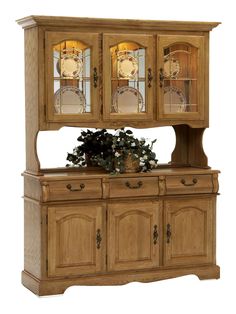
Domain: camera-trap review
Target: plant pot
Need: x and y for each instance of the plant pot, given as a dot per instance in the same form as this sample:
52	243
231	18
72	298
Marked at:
89	163
131	165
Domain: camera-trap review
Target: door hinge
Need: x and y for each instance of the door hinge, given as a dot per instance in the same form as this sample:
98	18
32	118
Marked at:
45	110
46	264
106	215
106	259
46	218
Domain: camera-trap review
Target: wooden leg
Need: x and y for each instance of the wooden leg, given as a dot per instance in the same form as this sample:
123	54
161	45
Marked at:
211	273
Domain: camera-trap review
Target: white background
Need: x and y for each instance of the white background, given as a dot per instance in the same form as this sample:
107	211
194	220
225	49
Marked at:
180	295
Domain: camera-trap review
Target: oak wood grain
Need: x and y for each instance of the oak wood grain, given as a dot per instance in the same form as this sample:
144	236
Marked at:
191	225
87	227
72	243
58	286
33	20
131	227
131	187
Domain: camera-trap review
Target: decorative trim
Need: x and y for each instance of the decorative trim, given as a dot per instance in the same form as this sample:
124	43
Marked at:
58	286
215	183
36	20
162	185
45	194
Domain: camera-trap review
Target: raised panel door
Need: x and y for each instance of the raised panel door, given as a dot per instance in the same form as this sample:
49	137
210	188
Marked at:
76	239
133	235
189	230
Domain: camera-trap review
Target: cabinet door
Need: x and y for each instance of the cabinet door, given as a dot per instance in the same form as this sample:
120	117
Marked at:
133	235
189	230
128	74
76	239
182	73
72	63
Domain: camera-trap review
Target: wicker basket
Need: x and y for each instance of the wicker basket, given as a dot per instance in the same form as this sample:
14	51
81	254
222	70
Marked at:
131	165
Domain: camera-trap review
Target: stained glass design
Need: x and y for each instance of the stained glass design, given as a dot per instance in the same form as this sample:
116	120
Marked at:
128	78
72	79
180	77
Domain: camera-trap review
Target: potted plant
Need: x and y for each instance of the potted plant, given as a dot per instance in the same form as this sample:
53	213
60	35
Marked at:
116	153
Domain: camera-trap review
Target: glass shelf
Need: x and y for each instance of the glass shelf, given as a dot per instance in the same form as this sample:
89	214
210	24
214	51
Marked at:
180	79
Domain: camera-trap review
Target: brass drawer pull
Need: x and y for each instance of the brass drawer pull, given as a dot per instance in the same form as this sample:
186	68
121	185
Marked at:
161	77
139	184
95	77
189	184
69	187
155	234
98	239
168	233
150	77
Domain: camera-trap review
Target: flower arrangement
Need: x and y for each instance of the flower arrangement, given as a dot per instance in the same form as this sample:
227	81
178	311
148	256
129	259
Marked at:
113	152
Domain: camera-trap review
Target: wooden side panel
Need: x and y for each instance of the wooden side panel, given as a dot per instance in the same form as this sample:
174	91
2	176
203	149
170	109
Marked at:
32	187
133	235
32	238
188	148
73	239
31	98
189	228
196	154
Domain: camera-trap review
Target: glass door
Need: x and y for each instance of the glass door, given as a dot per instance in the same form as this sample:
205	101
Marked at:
128	77
181	77
72	76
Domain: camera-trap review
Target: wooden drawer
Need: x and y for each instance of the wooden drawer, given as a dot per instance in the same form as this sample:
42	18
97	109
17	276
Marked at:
189	184
73	190
131	187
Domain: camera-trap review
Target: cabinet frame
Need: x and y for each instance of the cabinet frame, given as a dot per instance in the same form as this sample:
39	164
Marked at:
41	273
145	40
53	38
198	42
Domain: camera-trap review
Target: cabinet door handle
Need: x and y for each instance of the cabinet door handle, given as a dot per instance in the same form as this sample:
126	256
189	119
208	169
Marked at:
137	186
98	239
168	233
69	187
194	181
155	234
161	77
95	77
150	77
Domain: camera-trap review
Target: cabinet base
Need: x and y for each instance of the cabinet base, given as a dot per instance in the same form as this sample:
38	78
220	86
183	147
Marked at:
58	286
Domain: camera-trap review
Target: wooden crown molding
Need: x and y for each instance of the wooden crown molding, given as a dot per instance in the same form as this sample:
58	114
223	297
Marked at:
37	20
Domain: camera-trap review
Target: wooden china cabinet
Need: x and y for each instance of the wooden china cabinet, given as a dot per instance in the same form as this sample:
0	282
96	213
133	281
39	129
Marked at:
85	226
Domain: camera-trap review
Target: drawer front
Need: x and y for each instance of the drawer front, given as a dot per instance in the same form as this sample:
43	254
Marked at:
131	187
189	184
74	190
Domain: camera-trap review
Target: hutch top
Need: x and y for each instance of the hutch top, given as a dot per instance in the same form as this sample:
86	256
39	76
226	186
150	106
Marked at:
110	73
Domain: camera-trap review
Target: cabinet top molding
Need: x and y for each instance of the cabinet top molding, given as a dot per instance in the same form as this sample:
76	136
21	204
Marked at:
61	21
